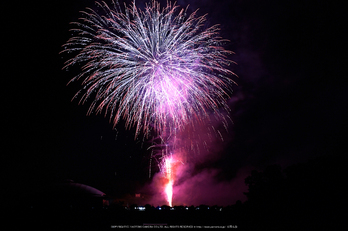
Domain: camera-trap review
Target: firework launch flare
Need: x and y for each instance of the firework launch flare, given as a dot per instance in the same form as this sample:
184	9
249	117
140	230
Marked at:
169	176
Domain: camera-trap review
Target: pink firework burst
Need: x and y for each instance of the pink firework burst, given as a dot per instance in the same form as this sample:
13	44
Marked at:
154	68
159	69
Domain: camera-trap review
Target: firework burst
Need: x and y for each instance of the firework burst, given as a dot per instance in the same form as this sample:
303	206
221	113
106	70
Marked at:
157	69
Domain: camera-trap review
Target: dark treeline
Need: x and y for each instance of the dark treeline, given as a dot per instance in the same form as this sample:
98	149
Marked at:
307	196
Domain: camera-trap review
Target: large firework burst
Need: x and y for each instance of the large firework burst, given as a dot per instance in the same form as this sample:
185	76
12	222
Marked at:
156	68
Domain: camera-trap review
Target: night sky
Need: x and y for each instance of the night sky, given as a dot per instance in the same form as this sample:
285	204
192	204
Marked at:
290	104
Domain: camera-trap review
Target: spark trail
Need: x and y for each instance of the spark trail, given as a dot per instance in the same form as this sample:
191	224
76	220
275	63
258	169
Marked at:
158	69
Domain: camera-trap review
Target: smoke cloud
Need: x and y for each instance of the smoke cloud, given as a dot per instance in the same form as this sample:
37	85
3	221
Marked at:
193	188
199	176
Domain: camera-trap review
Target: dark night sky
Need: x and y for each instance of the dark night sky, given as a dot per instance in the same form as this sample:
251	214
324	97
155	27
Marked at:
289	106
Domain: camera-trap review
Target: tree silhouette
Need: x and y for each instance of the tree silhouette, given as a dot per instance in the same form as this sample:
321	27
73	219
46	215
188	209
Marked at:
303	196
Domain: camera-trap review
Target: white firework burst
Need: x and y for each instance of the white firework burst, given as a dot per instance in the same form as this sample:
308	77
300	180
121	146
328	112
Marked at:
156	68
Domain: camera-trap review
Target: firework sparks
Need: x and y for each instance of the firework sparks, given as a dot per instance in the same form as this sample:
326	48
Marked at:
156	68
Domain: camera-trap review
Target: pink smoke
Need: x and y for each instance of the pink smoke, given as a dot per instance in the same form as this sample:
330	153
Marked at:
201	188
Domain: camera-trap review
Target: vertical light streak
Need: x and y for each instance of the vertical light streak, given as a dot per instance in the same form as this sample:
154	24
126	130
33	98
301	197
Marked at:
170	180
